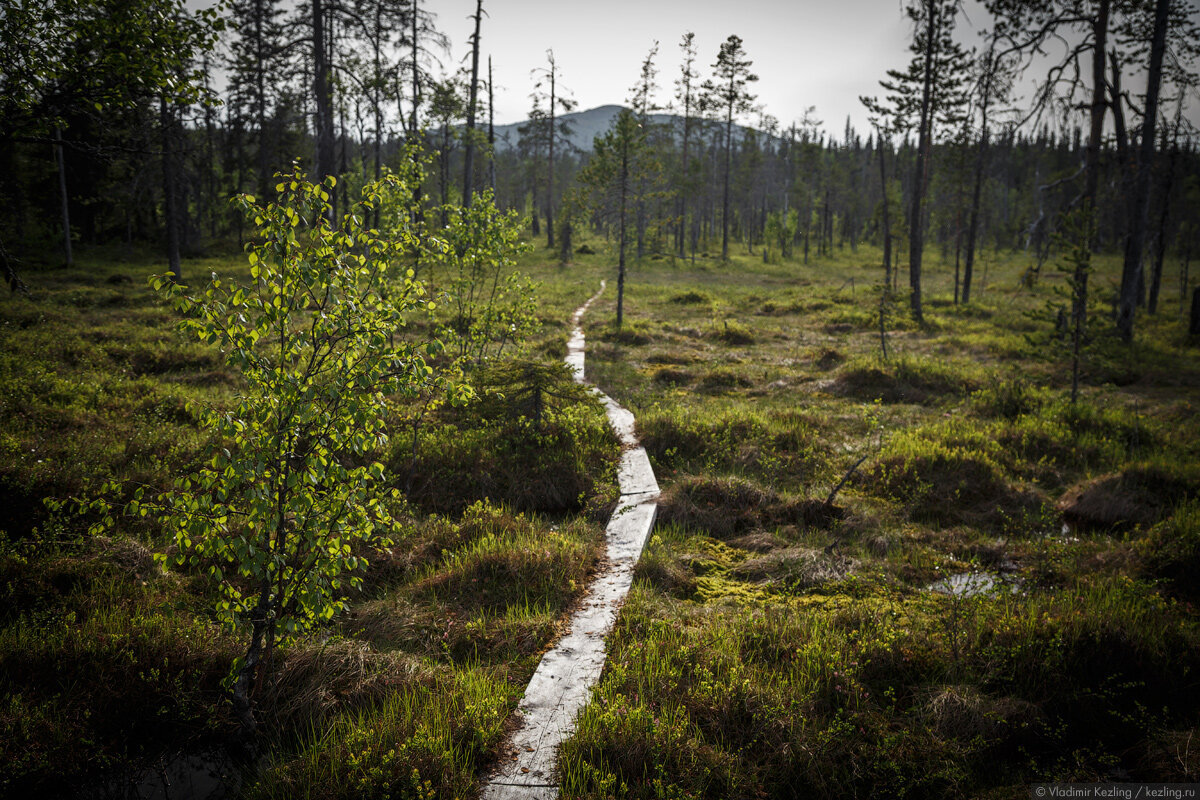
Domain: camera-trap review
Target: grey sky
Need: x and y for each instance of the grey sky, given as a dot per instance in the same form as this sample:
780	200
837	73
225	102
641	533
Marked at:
822	54
805	52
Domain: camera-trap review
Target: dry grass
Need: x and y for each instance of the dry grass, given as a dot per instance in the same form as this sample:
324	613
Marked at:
726	507
1136	496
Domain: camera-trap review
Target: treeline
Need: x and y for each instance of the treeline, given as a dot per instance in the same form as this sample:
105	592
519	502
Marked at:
136	120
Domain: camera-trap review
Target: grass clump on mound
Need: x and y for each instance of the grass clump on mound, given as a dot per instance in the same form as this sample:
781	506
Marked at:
725	507
692	297
630	333
1008	398
908	379
1138	495
947	484
1170	552
732	332
779	447
524	565
487	589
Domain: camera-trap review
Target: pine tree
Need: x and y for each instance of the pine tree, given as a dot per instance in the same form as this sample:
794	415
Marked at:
928	95
726	95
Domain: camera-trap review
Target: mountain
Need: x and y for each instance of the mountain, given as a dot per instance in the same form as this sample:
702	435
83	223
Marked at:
586	126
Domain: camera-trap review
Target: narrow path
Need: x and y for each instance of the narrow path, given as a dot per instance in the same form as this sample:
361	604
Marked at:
559	688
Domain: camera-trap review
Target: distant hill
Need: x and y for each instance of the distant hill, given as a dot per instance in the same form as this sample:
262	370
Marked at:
586	126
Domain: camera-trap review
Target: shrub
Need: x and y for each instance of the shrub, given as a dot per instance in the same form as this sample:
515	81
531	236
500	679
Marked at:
275	514
556	465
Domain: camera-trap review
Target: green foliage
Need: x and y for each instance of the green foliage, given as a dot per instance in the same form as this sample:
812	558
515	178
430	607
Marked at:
114	54
276	513
492	306
530	389
780	232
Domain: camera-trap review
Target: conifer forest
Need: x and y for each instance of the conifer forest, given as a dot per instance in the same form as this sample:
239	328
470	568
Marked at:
377	424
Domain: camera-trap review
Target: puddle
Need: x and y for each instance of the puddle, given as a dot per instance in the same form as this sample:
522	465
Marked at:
975	584
210	775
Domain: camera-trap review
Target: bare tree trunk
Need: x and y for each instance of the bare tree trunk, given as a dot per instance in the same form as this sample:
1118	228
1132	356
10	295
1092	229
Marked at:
887	219
980	163
170	200
1160	255
469	157
916	210
491	132
322	90
550	161
725	189
62	193
621	234
1132	272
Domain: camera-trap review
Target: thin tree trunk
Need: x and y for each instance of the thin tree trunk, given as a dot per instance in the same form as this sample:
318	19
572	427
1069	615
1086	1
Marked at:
725	188
260	101
977	189
887	220
550	172
1160	255
1132	272
621	234
323	93
62	193
916	211
469	157
491	133
170	201
681	204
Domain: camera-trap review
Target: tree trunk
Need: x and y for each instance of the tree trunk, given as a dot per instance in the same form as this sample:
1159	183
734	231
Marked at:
977	189
550	162
62	193
1132	271
1090	185
170	200
260	101
725	188
1160	255
915	223
887	220
491	133
322	90
624	189
681	203
416	72
469	157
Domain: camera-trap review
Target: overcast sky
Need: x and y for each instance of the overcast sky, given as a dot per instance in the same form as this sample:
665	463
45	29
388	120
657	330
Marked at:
822	53
815	53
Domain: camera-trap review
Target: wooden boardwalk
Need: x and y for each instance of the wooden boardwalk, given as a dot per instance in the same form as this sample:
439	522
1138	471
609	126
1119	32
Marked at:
563	680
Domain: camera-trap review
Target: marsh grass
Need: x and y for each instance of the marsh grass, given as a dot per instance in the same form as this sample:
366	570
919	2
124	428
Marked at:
771	647
768	653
